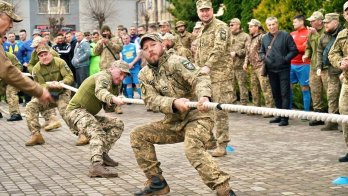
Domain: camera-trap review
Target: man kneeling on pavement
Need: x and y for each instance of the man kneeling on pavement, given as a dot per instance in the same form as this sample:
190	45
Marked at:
96	92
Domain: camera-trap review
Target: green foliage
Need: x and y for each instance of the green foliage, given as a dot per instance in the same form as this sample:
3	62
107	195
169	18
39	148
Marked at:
246	13
233	10
185	11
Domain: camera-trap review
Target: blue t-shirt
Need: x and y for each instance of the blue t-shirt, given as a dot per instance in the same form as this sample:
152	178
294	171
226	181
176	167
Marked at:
129	53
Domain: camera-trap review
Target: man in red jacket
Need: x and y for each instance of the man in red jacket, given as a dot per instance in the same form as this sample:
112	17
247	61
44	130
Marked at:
300	69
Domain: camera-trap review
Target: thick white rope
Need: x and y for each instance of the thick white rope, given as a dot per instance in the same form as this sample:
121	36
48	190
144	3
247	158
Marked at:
252	109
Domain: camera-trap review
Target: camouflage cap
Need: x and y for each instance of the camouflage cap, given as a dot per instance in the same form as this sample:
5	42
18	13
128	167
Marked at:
235	20
168	36
8	9
164	22
315	16
152	36
201	4
331	16
254	22
42	48
180	23
36	42
123	66
345	6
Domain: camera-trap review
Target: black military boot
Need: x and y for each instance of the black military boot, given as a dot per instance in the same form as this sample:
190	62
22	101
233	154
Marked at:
344	158
107	161
316	123
156	185
284	121
15	117
1	115
275	120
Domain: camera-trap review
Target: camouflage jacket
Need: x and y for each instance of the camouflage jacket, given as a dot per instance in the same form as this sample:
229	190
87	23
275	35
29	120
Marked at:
212	49
174	77
106	57
56	70
186	39
252	52
323	41
339	50
239	42
311	47
95	93
182	51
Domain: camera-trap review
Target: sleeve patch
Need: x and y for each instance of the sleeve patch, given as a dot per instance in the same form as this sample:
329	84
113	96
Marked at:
188	65
223	35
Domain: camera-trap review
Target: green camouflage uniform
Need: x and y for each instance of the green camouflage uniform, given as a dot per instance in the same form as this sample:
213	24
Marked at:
106	57
339	51
318	84
257	81
186	39
238	43
212	51
175	77
333	79
95	93
57	70
11	92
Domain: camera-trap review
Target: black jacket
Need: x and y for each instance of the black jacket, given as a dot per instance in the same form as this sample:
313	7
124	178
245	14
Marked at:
281	52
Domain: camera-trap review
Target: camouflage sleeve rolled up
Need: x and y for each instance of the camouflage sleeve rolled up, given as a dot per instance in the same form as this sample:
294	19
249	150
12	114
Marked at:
65	71
339	49
152	98
102	84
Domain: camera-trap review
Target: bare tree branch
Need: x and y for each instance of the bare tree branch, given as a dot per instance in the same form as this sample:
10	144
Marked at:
99	10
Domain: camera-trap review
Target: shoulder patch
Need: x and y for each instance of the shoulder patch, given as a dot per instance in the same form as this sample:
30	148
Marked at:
188	65
223	34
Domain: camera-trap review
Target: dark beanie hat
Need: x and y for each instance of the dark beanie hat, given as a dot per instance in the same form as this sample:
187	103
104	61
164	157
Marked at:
105	28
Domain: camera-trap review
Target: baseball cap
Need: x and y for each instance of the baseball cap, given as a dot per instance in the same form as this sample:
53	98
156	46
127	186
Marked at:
331	16
345	6
235	20
201	4
164	22
8	9
36	31
198	25
315	16
123	66
152	36
180	23
255	22
42	48
168	36
36	42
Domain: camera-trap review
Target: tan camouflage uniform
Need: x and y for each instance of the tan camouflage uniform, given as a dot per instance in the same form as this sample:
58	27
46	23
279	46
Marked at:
186	39
57	70
257	81
238	43
106	57
11	92
339	51
95	93
175	77
318	84
212	51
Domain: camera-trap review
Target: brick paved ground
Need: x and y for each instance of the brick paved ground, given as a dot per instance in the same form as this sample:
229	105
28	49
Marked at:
268	160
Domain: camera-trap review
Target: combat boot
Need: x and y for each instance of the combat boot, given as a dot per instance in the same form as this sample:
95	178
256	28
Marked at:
118	110
53	124
316	123
35	139
330	126
82	140
107	161
98	170
15	117
224	190
156	185
220	151
1	115
344	158
276	120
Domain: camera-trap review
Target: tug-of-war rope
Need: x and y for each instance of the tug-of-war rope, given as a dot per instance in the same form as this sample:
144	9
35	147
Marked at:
252	110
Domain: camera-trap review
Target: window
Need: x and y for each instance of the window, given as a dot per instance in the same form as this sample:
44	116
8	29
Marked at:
54	6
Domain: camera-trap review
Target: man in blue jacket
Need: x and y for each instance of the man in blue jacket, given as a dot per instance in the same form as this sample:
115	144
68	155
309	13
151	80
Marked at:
277	50
81	58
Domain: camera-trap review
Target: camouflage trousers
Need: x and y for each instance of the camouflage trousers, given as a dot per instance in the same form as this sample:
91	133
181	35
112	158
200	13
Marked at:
318	87
34	107
240	77
102	131
222	93
258	83
333	92
12	99
343	109
195	135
